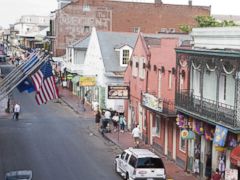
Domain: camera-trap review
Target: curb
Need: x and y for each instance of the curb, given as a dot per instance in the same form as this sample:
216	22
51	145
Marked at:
69	105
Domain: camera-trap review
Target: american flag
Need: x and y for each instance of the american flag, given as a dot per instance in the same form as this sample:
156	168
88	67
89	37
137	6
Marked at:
44	83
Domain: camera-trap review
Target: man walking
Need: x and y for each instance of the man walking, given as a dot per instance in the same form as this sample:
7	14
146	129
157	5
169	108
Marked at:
16	111
136	135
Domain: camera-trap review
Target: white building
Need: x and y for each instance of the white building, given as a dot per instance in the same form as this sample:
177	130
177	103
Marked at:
103	56
31	23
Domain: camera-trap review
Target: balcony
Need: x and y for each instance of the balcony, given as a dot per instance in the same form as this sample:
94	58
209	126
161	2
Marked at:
164	107
206	109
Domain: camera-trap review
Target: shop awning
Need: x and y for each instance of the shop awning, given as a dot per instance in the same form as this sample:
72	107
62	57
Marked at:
235	156
75	79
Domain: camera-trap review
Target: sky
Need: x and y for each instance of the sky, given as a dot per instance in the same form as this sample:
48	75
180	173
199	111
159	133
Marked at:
11	10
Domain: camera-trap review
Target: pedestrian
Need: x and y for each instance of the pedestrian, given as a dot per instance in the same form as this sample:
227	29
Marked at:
83	103
115	119
122	123
197	159
221	165
136	135
107	115
97	118
208	169
216	175
16	111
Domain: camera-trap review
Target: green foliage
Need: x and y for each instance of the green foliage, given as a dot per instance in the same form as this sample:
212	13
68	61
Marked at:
207	21
185	28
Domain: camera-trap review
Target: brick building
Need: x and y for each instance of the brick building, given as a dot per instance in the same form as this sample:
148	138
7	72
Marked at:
151	77
73	21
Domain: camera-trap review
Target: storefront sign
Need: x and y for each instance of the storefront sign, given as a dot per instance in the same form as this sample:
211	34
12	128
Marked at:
69	76
231	174
152	102
118	92
220	136
185	134
87	81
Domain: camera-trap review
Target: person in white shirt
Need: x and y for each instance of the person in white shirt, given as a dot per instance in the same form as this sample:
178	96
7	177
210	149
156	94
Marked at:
16	111
115	119
136	135
107	115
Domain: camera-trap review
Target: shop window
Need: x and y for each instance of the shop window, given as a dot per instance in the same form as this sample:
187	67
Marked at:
182	144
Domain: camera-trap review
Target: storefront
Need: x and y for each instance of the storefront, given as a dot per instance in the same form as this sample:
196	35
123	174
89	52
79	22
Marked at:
75	85
199	144
88	89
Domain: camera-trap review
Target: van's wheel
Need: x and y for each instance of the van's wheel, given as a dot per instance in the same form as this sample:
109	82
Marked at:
127	176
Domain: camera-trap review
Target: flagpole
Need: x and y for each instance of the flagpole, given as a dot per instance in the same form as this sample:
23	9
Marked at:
16	82
18	75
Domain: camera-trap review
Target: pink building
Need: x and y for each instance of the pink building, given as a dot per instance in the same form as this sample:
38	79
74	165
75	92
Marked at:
151	75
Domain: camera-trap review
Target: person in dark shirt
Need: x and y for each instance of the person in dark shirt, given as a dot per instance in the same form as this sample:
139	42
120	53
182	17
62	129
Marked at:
208	170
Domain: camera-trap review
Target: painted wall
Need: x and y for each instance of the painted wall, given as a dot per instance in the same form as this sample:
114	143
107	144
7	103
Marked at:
119	16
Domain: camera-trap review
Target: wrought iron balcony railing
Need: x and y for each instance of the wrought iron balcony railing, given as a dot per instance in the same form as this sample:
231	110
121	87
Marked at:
169	107
207	109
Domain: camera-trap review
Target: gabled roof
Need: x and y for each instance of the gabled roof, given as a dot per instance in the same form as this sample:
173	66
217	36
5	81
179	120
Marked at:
153	39
81	44
108	41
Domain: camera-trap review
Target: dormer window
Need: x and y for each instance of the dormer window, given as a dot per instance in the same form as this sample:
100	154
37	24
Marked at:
125	53
125	57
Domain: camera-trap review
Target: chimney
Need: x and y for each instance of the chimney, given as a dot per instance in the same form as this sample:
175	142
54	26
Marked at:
158	1
190	2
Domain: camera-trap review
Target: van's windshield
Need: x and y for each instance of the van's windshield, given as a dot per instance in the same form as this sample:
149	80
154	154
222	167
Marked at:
149	162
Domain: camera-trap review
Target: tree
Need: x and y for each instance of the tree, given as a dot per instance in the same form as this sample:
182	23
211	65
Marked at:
207	21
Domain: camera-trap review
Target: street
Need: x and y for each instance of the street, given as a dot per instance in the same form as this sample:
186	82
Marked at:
55	143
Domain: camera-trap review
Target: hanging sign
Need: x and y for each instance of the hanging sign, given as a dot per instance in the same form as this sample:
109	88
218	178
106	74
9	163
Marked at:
220	136
87	81
185	134
118	92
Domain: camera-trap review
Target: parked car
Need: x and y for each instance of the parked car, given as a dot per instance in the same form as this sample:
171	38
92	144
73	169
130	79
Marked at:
19	175
143	164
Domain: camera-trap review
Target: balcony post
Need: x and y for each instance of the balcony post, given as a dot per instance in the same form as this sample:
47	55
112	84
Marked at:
218	73
202	71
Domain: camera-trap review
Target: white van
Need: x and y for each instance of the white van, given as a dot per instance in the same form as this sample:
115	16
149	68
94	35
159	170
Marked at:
139	164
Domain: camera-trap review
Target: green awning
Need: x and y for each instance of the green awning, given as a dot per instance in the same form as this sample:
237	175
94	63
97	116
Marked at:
75	79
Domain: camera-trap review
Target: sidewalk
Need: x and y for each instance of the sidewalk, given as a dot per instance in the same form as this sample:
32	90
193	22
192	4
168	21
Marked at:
122	140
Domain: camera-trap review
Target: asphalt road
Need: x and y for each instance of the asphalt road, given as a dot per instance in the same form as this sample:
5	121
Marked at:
55	143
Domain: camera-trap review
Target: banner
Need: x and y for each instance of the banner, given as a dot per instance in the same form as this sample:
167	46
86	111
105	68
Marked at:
220	136
152	102
118	92
87	81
